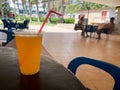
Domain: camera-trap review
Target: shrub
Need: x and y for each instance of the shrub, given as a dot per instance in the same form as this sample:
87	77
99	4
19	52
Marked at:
28	18
22	17
34	19
54	20
69	20
42	19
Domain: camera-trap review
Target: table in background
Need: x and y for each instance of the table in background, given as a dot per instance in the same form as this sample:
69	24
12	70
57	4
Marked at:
52	75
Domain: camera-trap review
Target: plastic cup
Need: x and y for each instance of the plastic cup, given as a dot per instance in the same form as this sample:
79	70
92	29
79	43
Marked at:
29	46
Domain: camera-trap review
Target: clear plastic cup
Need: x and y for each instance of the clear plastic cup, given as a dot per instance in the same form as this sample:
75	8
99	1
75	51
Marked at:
29	47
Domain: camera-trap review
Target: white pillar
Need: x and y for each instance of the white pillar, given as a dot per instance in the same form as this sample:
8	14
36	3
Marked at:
117	21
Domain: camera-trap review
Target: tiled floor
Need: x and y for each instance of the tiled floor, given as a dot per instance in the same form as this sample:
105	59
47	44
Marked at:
66	45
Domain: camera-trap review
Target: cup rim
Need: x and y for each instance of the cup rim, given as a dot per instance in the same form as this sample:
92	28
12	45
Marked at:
27	33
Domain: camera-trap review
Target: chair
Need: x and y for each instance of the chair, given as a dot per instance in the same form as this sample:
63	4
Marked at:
113	70
91	29
5	23
106	32
9	24
23	25
9	34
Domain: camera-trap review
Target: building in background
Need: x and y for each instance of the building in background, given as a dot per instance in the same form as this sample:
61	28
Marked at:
97	15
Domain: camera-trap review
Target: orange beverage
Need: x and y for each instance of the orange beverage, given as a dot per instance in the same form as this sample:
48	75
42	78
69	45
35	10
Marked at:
29	51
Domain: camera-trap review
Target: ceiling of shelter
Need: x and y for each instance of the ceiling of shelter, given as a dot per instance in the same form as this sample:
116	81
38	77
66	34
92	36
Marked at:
114	3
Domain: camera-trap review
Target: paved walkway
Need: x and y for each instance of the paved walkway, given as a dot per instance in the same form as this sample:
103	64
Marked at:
57	28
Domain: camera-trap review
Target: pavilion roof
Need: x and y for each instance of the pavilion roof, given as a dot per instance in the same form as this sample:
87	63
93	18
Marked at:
114	3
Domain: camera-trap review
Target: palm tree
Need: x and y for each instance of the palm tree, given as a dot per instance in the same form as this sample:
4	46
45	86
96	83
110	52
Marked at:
23	4
37	10
5	8
36	3
49	3
14	7
18	10
26	9
30	5
44	6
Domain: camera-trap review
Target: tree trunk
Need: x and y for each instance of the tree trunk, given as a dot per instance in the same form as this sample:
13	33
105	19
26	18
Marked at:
30	5
23	8
37	10
26	10
14	8
18	10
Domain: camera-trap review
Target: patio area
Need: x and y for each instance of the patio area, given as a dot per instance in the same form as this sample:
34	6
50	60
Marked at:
65	44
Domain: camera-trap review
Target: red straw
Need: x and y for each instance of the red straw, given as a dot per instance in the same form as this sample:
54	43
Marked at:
51	11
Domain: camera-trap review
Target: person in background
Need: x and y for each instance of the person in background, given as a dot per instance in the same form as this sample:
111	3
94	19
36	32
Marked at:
106	28
81	26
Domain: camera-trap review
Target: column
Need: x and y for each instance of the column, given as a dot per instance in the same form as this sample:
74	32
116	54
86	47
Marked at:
117	21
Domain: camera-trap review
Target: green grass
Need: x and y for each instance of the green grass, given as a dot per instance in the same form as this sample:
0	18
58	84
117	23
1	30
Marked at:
40	23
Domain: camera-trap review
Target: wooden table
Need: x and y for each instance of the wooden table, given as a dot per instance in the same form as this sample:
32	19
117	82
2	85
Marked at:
52	75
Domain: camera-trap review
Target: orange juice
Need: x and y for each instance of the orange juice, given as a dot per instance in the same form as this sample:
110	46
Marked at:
29	50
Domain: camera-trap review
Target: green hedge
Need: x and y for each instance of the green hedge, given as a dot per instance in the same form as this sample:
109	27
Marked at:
69	20
28	18
22	17
54	20
42	19
34	19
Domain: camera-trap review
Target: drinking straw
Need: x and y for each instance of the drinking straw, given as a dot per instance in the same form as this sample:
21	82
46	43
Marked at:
51	11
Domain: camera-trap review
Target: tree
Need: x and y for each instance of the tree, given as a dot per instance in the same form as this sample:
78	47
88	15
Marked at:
23	4
78	6
52	4
36	2
18	10
74	7
14	7
5	8
44	6
30	6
